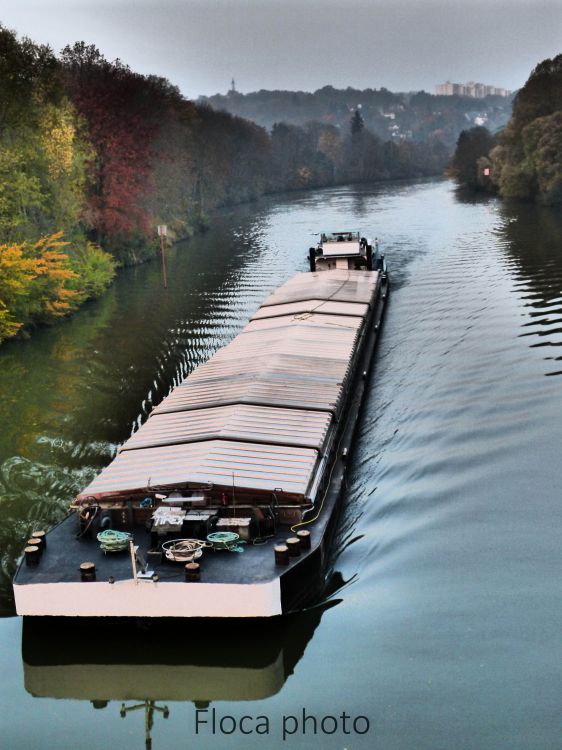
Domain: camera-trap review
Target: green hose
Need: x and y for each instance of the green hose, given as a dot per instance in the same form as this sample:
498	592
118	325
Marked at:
225	540
114	541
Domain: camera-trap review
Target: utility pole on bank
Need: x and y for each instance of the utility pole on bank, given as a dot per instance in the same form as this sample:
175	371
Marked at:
162	232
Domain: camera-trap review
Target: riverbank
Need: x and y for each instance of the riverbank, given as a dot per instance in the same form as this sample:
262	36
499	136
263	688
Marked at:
50	280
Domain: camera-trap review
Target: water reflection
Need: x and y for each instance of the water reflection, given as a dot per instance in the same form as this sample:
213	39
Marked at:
141	667
533	237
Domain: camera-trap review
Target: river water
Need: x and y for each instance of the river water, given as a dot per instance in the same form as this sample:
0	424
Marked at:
441	625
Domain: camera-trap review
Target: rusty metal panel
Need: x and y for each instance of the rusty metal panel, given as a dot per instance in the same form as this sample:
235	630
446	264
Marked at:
223	464
307	429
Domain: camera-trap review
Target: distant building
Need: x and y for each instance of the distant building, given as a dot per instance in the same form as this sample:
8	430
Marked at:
471	89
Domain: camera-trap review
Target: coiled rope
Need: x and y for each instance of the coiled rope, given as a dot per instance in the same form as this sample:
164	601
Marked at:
225	540
114	541
183	550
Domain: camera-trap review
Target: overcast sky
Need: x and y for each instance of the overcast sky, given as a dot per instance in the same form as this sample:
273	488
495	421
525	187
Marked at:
404	45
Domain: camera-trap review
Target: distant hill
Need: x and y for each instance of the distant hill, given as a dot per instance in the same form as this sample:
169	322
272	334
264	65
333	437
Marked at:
392	116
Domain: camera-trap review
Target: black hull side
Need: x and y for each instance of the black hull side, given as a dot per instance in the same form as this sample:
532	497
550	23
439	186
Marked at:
304	581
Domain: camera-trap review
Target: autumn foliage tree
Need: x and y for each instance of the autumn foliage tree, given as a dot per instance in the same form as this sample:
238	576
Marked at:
119	117
47	279
34	283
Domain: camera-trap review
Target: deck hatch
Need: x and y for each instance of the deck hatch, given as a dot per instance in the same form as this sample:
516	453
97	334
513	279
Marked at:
299	428
221	463
263	390
308	320
341	286
317	306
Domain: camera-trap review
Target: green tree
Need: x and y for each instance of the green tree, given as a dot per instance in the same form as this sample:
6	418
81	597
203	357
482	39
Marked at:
356	123
527	163
466	164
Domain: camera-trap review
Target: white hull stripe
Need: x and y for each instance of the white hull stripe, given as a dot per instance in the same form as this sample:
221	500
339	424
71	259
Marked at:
149	599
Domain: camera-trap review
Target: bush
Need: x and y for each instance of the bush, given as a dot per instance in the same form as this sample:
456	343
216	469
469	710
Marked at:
45	280
94	269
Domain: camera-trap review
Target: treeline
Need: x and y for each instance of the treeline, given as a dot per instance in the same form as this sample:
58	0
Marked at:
318	155
93	156
525	161
48	264
413	117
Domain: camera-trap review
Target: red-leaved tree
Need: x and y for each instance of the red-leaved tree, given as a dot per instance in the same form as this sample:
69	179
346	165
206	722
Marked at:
121	122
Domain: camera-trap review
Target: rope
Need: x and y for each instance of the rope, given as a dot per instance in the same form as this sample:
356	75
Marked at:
114	541
183	550
305	315
225	540
84	516
315	518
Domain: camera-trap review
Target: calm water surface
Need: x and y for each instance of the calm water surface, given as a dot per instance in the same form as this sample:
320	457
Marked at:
442	624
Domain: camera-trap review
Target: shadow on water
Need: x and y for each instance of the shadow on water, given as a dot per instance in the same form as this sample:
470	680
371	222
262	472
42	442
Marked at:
471	197
533	236
141	665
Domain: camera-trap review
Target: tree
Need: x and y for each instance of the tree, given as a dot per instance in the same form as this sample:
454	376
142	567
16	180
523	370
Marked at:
357	124
17	273
471	146
28	73
527	164
120	121
48	279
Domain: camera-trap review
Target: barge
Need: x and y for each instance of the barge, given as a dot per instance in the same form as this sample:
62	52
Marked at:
224	502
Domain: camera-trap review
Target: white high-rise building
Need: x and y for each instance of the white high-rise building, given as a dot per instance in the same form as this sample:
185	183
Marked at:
471	89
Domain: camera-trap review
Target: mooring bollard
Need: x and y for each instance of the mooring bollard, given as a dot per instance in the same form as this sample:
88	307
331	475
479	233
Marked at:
87	571
33	543
192	572
40	538
304	536
281	554
294	545
31	553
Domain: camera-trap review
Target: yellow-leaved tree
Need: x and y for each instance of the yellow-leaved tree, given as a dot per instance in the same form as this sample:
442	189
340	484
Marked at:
35	283
47	279
17	273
